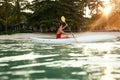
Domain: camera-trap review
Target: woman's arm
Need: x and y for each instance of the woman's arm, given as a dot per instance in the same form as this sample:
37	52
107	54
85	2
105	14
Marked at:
65	26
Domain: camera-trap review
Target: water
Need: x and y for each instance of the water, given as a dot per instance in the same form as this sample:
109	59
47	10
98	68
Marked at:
24	60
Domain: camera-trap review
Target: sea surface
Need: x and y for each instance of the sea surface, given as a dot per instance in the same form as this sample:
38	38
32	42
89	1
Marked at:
26	60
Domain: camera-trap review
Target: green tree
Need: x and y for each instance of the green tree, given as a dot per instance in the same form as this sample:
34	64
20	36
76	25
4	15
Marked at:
47	13
17	15
11	12
5	8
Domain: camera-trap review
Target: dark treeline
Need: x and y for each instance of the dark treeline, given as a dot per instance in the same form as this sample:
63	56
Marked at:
45	14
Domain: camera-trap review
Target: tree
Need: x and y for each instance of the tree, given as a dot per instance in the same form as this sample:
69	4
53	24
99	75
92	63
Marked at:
11	12
5	11
18	16
47	13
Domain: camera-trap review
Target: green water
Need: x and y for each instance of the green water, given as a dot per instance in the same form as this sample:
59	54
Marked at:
25	60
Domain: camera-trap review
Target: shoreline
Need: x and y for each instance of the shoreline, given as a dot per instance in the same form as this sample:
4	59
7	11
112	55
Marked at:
24	36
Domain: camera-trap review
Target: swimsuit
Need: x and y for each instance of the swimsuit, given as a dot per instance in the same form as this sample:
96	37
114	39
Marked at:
58	35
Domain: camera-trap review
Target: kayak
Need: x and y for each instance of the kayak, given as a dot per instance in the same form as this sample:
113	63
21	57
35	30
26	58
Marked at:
82	39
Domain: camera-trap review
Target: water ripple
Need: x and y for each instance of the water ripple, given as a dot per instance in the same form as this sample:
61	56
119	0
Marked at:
30	56
24	60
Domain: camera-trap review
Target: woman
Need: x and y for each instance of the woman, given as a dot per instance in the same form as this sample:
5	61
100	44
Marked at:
60	31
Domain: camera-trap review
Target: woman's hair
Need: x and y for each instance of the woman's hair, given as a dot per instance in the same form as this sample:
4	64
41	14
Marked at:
59	24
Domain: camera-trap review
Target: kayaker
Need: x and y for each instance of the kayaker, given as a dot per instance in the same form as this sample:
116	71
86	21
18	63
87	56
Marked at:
60	31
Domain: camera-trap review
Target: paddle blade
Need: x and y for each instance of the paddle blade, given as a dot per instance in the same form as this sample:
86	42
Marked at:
63	19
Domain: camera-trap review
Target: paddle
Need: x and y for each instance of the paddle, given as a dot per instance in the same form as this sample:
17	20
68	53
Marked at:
63	20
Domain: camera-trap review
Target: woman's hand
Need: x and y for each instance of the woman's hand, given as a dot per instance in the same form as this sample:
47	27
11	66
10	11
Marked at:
66	25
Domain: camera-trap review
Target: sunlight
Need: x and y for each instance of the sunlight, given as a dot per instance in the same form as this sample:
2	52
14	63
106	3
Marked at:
107	10
106	1
87	12
100	48
107	73
30	0
108	7
27	11
107	77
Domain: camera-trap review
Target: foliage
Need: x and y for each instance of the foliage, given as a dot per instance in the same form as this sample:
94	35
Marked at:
47	13
2	22
10	11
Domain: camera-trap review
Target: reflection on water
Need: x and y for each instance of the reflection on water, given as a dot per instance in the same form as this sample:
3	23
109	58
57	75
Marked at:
24	60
